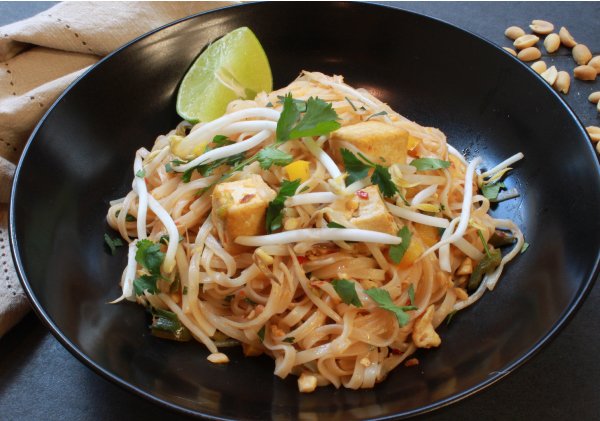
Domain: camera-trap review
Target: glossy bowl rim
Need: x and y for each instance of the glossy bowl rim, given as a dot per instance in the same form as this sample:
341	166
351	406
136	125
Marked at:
566	316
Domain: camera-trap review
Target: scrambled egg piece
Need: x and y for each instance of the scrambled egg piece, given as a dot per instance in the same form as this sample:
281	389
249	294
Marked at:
372	213
239	208
424	335
384	143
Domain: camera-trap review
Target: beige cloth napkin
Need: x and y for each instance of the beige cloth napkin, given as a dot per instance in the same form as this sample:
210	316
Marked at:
39	58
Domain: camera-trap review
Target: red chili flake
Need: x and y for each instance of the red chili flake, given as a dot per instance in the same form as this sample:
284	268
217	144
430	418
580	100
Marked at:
395	351
301	259
411	362
362	194
247	198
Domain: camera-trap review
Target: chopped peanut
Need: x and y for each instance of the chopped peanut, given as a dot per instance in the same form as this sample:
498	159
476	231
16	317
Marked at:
276	332
218	358
307	383
466	267
365	362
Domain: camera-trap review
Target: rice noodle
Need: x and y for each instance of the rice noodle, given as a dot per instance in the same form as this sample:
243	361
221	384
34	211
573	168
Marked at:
242	265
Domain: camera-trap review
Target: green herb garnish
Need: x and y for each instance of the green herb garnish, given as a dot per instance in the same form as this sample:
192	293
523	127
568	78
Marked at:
319	119
289	340
149	256
332	224
112	243
426	164
272	156
397	250
347	291
384	300
261	334
487	264
275	209
376	115
411	294
358	169
141	173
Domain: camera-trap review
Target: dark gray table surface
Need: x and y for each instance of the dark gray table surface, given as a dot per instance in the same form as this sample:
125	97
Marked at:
40	380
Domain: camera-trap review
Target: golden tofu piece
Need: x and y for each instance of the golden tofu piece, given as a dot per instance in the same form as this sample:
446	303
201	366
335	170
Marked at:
384	143
424	335
239	208
372	214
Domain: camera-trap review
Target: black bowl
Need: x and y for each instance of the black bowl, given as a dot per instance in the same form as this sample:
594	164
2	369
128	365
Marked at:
487	103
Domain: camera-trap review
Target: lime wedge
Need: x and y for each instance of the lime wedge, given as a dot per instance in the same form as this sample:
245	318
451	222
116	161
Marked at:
232	67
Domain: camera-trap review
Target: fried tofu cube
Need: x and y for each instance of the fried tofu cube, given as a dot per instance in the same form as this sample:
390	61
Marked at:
239	208
372	214
424	335
384	143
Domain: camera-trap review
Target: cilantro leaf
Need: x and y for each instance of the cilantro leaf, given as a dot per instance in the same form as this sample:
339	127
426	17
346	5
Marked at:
141	173
270	156
332	224
356	169
397	250
287	119
347	291
320	118
491	190
145	283
382	178
261	334
289	340
112	243
275	208
148	255
384	300
411	294
426	164
299	103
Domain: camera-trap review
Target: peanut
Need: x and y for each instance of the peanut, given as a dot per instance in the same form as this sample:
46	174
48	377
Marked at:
585	72
550	75
566	38
595	63
530	54
563	82
539	67
541	27
525	41
552	43
581	54
514	32
594	97
594	132
510	50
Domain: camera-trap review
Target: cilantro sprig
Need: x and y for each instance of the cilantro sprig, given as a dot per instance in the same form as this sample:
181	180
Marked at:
150	257
298	118
358	167
383	299
319	119
275	209
347	291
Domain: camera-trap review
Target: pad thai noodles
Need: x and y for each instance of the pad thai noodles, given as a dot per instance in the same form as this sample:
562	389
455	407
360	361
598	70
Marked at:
315	225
